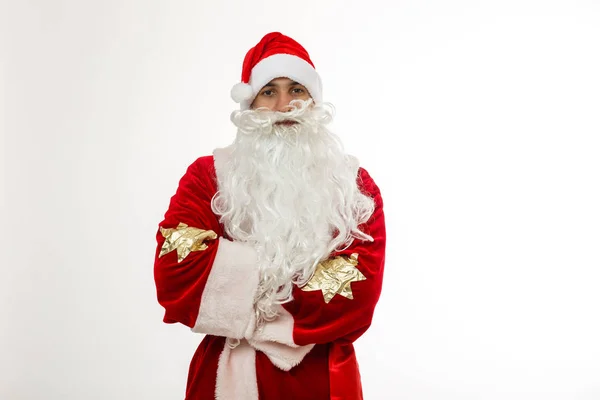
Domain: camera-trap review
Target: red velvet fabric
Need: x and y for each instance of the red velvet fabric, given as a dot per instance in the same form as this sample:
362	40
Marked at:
202	376
330	370
344	376
307	381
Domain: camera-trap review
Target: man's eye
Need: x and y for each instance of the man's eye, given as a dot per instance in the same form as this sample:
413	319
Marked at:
268	93
298	90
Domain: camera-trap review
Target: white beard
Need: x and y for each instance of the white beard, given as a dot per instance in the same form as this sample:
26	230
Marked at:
291	191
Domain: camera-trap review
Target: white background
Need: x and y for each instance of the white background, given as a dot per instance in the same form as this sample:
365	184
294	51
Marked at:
479	120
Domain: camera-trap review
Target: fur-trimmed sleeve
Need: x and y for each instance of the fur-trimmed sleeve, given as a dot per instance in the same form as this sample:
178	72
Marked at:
202	279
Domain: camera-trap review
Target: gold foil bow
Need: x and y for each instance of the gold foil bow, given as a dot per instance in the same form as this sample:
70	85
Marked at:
334	276
185	239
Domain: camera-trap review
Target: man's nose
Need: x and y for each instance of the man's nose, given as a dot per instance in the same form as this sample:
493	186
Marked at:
283	102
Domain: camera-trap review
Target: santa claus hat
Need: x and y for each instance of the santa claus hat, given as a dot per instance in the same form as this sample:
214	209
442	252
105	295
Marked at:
276	56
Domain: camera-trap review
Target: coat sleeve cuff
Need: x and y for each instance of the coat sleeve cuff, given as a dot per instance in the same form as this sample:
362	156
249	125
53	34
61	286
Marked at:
276	340
226	307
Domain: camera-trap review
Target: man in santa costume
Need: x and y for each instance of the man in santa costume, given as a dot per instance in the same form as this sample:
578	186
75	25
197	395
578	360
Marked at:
274	246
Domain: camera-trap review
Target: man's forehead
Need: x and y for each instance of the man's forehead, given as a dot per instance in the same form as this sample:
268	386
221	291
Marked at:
282	82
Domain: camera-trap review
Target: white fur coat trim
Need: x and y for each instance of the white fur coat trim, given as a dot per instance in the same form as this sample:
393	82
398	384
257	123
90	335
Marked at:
221	156
275	339
236	373
226	307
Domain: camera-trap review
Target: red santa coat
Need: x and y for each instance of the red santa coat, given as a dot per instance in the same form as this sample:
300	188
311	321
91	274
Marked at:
207	282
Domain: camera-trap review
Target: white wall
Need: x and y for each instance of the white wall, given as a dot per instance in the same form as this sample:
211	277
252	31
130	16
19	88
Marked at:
478	120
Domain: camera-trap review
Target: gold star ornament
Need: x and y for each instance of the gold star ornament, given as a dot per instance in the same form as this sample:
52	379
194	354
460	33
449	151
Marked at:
185	239
334	276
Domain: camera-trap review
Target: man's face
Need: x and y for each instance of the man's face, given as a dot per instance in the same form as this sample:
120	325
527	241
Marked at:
277	94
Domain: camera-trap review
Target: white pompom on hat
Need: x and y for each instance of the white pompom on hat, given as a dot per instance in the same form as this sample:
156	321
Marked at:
276	56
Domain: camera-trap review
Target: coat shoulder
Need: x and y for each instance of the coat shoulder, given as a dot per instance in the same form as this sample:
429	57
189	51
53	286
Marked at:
202	172
203	163
367	184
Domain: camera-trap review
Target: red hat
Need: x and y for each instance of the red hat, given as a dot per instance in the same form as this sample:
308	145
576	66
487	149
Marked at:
275	56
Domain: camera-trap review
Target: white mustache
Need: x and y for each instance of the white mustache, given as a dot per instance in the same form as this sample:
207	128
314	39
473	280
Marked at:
262	120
